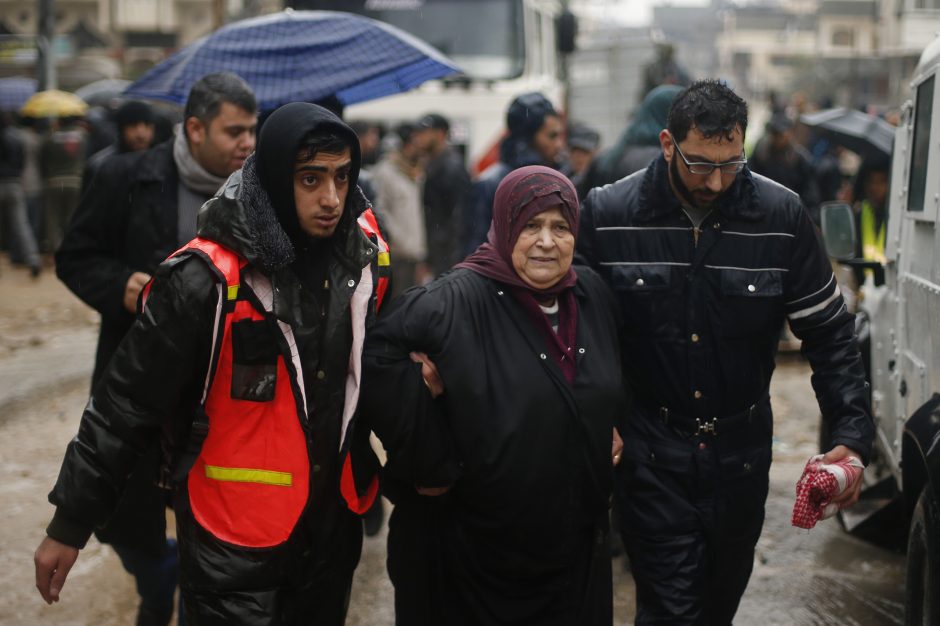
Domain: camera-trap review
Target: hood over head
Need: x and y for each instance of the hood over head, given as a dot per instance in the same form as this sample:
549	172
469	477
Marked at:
283	135
254	213
524	118
651	116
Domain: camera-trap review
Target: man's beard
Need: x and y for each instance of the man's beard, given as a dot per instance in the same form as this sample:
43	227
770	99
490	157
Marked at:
685	194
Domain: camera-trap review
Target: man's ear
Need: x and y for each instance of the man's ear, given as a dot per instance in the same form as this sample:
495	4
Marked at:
665	141
195	130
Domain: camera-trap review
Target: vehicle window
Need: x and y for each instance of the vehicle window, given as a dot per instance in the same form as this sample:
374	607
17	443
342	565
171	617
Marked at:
922	119
484	37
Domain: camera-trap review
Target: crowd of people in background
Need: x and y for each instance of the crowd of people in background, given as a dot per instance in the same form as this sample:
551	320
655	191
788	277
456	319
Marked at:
46	164
435	204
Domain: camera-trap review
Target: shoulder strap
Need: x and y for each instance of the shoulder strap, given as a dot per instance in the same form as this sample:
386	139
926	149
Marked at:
227	266
370	227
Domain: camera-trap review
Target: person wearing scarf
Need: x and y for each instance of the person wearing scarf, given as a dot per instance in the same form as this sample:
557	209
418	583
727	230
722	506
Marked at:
535	136
506	385
637	145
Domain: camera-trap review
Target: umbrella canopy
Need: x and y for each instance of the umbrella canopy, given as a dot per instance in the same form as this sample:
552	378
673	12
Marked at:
15	91
102	92
856	131
301	56
54	103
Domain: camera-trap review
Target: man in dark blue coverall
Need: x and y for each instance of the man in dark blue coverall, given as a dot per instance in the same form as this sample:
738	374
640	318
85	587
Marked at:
707	260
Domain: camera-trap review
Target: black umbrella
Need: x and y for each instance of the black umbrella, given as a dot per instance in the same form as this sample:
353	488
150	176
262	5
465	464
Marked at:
102	92
853	130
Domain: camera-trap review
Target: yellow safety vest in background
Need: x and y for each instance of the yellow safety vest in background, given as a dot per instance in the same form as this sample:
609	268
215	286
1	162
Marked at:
873	243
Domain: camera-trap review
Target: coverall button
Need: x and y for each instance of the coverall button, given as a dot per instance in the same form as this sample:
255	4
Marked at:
652	456
321	375
640	282
747	467
697	394
695	337
581	350
702	446
351	283
316	468
543	356
751	288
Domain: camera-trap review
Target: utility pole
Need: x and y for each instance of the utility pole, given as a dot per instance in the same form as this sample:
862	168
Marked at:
45	58
566	29
218	14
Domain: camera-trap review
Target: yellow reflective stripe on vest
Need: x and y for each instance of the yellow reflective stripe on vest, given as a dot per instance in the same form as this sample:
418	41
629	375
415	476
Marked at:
232	292
873	244
384	259
244	475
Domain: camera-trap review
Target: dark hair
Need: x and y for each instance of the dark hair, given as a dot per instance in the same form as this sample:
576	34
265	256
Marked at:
527	114
133	112
709	106
332	104
871	164
405	132
207	95
360	127
319	141
435	121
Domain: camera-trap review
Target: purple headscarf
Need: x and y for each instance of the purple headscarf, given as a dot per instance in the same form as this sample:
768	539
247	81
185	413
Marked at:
524	193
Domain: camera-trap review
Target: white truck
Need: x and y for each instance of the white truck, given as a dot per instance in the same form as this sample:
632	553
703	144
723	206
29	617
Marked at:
505	48
901	305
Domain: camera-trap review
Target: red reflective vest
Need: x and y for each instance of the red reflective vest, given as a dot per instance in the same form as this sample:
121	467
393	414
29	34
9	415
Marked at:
250	483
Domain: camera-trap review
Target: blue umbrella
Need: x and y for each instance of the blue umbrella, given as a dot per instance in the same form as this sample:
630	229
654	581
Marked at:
15	91
301	56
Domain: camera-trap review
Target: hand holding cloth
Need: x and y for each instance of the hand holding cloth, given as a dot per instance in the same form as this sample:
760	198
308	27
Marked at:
819	484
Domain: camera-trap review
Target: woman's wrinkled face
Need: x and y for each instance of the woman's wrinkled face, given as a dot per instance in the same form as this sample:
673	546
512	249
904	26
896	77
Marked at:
545	248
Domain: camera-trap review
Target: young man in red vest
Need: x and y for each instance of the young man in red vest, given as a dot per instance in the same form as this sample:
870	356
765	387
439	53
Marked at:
246	362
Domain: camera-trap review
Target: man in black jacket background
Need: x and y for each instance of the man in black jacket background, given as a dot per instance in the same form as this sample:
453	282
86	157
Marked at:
446	184
707	260
136	130
138	209
13	207
780	158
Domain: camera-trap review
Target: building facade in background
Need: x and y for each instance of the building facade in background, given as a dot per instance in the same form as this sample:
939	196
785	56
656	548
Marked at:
97	39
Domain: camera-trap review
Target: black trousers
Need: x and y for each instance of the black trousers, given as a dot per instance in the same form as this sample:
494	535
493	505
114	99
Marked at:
306	580
691	510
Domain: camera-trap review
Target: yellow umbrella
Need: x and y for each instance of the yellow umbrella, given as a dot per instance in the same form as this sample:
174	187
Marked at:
54	103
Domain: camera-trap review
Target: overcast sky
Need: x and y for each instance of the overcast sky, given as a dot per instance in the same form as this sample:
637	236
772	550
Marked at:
629	12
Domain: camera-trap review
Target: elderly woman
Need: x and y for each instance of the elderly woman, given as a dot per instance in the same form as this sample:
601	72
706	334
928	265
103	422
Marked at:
495	391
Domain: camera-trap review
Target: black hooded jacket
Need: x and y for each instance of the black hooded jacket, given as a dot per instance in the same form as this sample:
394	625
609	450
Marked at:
155	379
702	315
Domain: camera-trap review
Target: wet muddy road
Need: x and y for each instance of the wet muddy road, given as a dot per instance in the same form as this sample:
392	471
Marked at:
46	348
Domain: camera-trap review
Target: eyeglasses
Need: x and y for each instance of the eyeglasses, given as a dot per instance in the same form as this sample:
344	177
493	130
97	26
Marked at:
705	169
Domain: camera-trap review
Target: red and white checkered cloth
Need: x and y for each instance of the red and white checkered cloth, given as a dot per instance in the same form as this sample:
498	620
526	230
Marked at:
818	485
